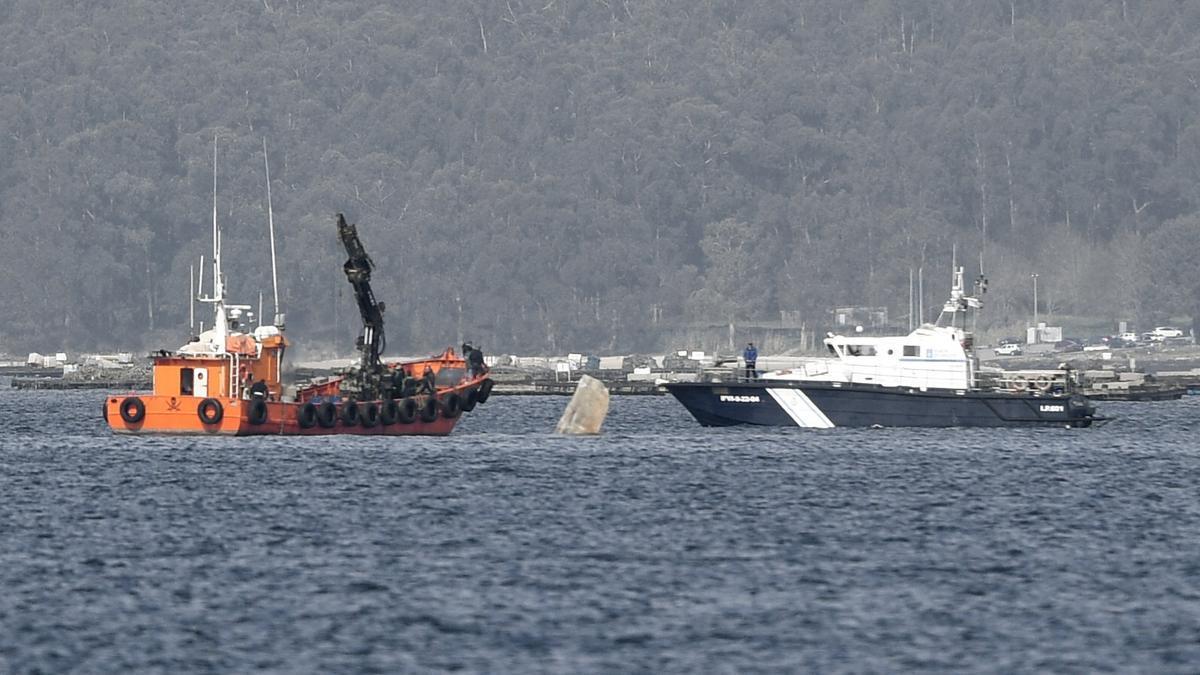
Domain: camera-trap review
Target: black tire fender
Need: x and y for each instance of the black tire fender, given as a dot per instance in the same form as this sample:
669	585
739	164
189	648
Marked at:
369	415
210	411
349	412
133	410
485	390
407	411
306	416
470	399
429	410
326	415
257	413
451	406
388	412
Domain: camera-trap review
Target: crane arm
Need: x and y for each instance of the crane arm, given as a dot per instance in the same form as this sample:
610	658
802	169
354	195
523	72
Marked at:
358	268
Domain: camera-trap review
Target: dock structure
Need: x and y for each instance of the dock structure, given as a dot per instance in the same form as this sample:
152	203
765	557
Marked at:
567	388
1164	376
62	384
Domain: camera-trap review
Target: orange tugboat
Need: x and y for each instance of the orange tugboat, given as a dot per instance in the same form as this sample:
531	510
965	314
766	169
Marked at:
225	381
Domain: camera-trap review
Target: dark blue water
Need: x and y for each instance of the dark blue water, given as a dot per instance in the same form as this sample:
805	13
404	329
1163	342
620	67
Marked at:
659	546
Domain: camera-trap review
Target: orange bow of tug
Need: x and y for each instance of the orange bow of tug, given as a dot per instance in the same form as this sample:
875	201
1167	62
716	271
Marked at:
229	382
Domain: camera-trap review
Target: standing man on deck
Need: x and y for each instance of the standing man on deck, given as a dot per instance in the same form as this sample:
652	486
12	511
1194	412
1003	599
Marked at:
475	366
750	356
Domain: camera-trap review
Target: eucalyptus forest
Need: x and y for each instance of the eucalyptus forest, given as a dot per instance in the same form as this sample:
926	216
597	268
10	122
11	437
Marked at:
591	175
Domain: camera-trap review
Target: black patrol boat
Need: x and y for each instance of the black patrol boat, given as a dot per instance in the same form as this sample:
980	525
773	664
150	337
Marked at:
928	378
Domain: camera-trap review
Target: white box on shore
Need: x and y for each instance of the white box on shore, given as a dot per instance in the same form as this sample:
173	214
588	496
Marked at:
612	362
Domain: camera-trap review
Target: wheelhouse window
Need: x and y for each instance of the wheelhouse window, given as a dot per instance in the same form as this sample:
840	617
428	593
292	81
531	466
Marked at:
187	381
860	350
912	350
448	377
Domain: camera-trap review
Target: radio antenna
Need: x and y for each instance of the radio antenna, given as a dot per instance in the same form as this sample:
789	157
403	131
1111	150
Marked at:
271	225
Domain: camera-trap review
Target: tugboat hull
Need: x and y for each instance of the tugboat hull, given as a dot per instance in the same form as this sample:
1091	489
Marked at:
824	405
282	419
223	416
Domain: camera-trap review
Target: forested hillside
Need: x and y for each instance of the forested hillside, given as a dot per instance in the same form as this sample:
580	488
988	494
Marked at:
583	174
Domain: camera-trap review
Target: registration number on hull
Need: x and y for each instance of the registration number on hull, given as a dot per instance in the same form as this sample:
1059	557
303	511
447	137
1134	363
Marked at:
1046	407
739	398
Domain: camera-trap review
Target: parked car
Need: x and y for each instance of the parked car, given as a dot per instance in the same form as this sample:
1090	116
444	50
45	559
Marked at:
1008	349
1069	345
1165	332
1128	337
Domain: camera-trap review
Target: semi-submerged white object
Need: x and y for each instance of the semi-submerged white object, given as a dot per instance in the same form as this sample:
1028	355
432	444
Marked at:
587	409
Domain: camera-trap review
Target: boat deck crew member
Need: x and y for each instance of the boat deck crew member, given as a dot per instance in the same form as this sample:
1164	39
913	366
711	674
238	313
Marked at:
428	382
475	365
750	356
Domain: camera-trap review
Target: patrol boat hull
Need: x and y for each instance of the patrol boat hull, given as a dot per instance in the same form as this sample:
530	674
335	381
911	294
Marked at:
824	405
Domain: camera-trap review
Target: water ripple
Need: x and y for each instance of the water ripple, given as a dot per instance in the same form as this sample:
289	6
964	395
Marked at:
657	546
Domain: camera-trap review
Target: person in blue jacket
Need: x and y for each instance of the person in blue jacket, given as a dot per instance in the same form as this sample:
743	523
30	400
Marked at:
750	356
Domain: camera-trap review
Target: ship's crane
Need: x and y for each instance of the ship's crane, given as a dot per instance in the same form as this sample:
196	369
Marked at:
370	379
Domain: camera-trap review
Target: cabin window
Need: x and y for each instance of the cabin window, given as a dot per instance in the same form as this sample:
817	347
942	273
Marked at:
448	377
912	350
832	349
187	378
860	350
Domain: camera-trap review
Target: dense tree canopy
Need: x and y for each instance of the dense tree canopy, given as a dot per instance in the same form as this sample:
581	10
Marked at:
576	174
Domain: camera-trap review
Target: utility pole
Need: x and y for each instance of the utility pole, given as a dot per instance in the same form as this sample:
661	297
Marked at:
910	299
920	295
1036	332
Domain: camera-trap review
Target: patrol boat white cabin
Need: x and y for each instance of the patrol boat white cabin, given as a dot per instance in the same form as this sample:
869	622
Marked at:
934	356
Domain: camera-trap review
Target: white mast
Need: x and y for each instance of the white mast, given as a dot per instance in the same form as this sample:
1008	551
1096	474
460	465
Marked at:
192	297
221	320
222	327
214	223
278	320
